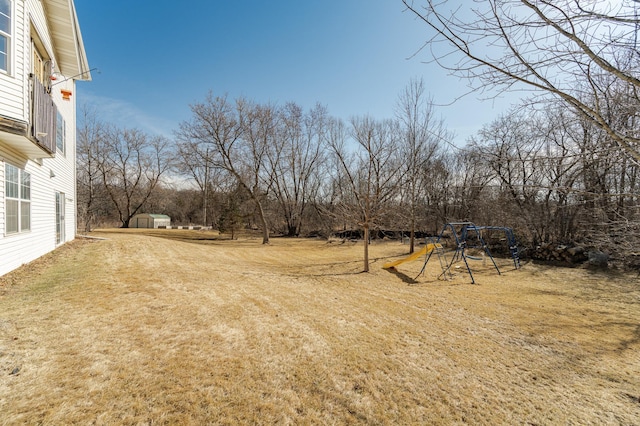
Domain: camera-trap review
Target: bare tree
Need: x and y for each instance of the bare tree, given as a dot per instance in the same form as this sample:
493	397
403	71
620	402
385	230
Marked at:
195	160
131	164
368	177
197	165
467	187
422	134
574	50
510	148
436	191
239	135
89	179
559	163
296	162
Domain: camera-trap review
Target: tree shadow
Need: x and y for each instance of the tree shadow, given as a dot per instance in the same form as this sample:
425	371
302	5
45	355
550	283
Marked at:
631	342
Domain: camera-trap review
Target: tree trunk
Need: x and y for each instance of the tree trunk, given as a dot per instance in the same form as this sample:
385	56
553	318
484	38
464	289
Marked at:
412	235
366	248
292	230
263	221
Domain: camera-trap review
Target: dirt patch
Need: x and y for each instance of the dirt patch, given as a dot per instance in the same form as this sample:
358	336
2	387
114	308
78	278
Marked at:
193	329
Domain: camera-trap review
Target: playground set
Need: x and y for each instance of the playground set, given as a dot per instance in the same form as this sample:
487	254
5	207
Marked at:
466	236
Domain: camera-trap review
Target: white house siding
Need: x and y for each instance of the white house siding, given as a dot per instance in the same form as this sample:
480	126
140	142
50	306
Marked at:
64	165
1	207
48	175
20	248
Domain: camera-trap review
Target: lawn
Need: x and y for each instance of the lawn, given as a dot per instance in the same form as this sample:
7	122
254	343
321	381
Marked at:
182	327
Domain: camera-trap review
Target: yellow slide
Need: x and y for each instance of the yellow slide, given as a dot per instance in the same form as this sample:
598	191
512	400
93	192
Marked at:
425	250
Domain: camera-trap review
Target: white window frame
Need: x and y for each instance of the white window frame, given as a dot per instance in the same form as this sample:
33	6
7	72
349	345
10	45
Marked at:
61	134
60	218
9	38
17	193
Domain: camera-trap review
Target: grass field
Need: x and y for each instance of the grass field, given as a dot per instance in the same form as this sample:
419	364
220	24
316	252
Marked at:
180	327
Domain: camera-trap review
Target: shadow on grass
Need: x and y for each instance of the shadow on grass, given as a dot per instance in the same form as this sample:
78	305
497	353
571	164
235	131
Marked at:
404	277
182	235
631	342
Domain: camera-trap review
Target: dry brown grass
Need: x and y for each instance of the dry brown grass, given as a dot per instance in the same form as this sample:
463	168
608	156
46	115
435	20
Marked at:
195	329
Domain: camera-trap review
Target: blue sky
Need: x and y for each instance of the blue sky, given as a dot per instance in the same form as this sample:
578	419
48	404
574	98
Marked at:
156	57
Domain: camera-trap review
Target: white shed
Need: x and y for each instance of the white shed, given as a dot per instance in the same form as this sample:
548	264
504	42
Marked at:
148	220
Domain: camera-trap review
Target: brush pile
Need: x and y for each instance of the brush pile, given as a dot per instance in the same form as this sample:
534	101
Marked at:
560	253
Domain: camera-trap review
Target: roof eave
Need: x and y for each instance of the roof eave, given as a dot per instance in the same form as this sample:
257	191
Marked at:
71	57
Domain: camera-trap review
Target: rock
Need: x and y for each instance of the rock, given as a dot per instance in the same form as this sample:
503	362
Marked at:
598	259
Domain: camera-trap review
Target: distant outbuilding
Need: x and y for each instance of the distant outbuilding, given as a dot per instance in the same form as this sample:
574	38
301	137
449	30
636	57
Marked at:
149	220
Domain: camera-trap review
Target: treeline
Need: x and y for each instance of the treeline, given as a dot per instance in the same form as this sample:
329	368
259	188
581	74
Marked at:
547	172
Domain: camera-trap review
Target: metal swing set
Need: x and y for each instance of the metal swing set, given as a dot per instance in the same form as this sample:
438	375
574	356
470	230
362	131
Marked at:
466	235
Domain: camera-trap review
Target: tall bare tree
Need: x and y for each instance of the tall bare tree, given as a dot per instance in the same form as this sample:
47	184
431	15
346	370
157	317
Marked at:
422	133
575	50
297	160
368	177
240	135
90	135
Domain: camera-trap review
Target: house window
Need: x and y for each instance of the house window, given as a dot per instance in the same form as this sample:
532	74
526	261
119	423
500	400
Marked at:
60	133
17	199
5	34
59	218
